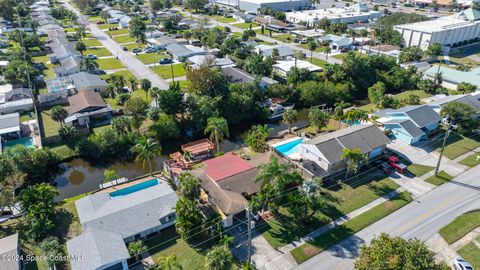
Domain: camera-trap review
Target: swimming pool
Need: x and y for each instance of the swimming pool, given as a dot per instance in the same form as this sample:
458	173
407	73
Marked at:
134	188
289	147
28	142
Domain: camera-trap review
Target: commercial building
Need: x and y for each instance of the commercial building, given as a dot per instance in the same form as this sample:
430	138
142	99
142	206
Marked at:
358	12
450	31
255	5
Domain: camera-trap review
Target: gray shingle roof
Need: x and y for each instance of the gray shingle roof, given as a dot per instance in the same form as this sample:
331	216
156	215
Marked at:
9	247
282	51
409	127
468	99
365	137
9	123
421	115
178	50
98	247
127	215
84	80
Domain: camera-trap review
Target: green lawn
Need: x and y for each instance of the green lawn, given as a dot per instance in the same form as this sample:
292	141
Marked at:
113	102
120	31
305	46
150	58
131	46
143	95
48	72
419	170
95	18
287	38
26	117
460	227
458	145
245	25
310	249
184	84
471	253
123	39
64	151
107	25
50	126
109	63
283	230
89	42
317	62
225	19
165	71
440	179
98	51
401	96
125	73
471	161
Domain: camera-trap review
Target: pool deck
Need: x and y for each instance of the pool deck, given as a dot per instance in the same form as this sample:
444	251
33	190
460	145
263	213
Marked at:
131	183
285	141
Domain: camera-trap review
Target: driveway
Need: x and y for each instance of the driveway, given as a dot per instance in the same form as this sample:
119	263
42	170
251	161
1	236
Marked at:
135	66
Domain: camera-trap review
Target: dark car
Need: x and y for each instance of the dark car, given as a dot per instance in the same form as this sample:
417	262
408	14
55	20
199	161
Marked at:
97	72
165	61
124	48
136	50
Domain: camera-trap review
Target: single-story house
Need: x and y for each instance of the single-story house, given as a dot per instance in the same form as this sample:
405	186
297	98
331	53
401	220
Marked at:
182	52
243	17
324	152
236	75
282	67
313	33
470	100
10	251
154	34
421	66
452	77
410	124
15	100
68	66
87	81
61	49
337	43
110	221
198	60
227	182
161	42
124	21
10	125
283	51
85	106
387	50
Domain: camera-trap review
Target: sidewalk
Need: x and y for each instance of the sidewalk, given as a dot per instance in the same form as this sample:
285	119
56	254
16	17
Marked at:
447	252
469	153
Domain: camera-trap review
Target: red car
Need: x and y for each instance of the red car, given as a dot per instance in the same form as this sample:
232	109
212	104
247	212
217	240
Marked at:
394	162
100	22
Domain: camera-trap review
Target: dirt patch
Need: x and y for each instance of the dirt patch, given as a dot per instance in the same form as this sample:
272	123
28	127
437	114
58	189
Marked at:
310	250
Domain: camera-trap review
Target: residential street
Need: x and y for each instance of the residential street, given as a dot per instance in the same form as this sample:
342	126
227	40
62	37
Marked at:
420	219
134	65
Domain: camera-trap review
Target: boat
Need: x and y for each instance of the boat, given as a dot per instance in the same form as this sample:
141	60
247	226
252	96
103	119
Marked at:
275	109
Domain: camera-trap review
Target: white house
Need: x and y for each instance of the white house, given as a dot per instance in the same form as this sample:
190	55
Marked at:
282	67
15	100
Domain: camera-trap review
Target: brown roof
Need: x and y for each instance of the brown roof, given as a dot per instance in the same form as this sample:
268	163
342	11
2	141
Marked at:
198	147
85	100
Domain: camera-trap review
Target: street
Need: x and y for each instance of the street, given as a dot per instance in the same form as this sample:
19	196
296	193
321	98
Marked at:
420	219
134	65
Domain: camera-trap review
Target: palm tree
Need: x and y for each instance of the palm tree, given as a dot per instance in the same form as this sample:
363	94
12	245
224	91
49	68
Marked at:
81	32
327	51
434	51
59	114
110	90
121	125
219	258
217	127
136	248
168	263
290	117
110	175
356	115
88	64
155	94
147	149
354	158
312	46
338	110
133	83
118	82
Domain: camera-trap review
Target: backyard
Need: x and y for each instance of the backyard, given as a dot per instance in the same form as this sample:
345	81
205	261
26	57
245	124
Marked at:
50	126
401	96
165	71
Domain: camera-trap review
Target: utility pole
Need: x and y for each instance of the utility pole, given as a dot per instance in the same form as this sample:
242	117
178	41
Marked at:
443	146
171	67
249	260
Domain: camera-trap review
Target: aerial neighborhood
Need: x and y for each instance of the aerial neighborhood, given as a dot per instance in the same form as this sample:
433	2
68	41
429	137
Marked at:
240	134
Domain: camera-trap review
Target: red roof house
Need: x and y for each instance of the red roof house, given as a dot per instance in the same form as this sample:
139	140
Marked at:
225	166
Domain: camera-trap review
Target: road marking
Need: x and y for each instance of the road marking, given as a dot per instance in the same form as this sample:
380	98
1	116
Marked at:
425	215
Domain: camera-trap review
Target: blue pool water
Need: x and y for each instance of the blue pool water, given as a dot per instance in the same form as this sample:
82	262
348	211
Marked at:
289	148
134	188
351	123
28	142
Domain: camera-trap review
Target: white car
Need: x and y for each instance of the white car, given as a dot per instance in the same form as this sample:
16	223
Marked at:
460	264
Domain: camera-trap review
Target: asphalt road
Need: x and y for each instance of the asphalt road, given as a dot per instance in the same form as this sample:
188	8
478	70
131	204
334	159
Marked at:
134	65
420	219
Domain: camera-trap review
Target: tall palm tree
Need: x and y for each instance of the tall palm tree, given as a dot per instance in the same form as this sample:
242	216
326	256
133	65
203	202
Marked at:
59	114
312	46
328	50
88	64
168	263
354	158
133	83
338	110
356	115
110	90
81	32
219	258
147	149
155	94
217	128
118	82
290	117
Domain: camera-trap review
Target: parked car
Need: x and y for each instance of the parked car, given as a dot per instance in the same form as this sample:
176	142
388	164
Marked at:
91	56
460	264
125	48
136	50
165	61
393	161
98	72
150	50
303	41
100	22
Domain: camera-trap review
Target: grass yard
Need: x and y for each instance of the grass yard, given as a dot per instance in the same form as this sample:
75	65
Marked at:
64	151
95	19
460	227
98	51
165	71
107	25
113	102
119	31
48	72
225	19
317	62
50	127
287	38
184	84
109	63
140	93
125	73
27	116
312	129
305	46
308	250
471	253
150	58
89	42
134	45
419	170
245	25
458	145
401	96
283	230
123	39
440	179
471	161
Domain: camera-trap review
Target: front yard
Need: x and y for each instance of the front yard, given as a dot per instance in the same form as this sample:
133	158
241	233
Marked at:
109	63
151	58
123	39
458	145
98	51
440	179
471	161
460	227
125	73
89	42
165	71
471	253
418	170
245	25
283	230
287	38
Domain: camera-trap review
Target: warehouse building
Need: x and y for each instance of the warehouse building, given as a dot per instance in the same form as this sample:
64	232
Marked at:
255	5
451	31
